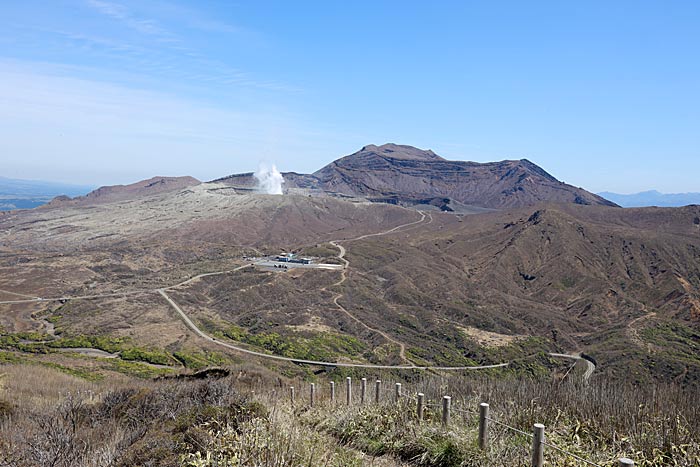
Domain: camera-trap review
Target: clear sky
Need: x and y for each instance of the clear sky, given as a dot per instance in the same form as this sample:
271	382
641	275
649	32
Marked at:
602	94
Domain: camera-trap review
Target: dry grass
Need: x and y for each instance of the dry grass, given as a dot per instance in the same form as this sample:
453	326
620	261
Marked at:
39	387
600	422
47	418
487	338
157	423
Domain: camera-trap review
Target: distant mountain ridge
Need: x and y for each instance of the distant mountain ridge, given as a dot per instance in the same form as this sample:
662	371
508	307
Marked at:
400	174
396	170
393	174
27	194
112	193
652	198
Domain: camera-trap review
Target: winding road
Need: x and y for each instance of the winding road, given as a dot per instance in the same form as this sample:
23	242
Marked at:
590	366
211	339
343	277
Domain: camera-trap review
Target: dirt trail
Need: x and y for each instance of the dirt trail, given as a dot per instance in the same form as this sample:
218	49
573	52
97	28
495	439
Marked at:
97	353
634	327
343	277
18	294
47	325
80	297
341	255
213	340
206	274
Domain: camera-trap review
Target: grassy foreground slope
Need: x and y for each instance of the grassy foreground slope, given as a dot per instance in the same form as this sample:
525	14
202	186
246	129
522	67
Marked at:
246	418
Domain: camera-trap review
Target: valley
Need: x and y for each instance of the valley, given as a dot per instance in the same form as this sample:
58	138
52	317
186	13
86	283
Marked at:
138	289
349	234
562	277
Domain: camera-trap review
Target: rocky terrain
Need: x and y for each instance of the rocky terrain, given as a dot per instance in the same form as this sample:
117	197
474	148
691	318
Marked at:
620	284
406	175
124	192
623	285
421	286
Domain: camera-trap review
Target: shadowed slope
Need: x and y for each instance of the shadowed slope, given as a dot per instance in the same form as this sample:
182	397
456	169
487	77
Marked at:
393	170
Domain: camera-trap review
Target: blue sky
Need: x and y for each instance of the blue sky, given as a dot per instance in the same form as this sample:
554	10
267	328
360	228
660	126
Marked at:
604	95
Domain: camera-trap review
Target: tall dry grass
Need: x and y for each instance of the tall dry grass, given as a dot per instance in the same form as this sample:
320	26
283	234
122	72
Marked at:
248	419
601	421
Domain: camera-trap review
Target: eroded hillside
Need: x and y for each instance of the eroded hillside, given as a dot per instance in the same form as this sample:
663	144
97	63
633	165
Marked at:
415	288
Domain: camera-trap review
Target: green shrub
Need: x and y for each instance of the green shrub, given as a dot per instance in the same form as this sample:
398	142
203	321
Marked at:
157	357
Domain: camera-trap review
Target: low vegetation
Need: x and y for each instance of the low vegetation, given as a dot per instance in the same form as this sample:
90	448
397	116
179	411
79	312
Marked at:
120	346
247	419
323	346
196	360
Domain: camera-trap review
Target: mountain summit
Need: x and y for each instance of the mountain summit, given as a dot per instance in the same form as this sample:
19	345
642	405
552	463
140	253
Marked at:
404	173
394	151
394	174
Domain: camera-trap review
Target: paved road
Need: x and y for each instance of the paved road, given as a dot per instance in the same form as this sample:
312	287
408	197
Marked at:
341	256
205	336
590	366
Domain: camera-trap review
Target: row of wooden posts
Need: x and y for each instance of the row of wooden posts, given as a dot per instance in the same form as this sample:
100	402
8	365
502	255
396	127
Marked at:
538	437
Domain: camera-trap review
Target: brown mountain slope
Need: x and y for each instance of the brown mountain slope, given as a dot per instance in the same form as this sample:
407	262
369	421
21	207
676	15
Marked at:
112	193
391	170
398	174
202	213
152	241
622	285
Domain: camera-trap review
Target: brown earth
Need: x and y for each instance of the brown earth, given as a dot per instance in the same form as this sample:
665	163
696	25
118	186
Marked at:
558	276
576	275
112	193
395	170
399	174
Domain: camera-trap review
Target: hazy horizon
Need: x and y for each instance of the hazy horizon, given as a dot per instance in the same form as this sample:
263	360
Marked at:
95	186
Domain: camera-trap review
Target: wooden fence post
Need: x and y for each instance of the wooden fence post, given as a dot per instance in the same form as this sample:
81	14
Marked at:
537	446
363	390
397	392
312	394
332	391
483	425
291	394
419	410
625	462
446	403
377	390
348	390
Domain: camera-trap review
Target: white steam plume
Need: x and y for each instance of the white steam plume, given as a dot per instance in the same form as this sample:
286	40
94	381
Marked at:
269	179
